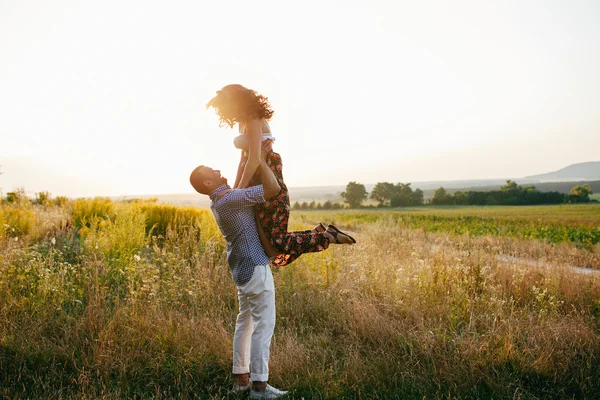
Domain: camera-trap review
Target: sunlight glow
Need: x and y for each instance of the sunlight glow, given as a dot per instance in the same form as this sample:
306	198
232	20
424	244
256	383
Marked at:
108	98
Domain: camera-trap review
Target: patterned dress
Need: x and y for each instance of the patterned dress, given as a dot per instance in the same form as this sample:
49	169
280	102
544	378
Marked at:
273	216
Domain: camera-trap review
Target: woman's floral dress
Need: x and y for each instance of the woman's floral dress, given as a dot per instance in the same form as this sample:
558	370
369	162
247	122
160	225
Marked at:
273	216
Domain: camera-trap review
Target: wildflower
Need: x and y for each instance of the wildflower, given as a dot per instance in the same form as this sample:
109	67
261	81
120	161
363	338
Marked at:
16	238
136	257
53	241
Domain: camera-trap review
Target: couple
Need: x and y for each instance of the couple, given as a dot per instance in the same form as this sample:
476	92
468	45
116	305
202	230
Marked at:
253	218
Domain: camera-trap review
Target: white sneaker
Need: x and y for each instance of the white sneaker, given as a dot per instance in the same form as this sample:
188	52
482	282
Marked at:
240	388
269	393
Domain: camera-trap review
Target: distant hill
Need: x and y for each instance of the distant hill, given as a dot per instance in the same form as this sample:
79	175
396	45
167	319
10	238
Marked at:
587	171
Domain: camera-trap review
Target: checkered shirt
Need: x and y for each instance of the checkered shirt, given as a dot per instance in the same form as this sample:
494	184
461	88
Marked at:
234	213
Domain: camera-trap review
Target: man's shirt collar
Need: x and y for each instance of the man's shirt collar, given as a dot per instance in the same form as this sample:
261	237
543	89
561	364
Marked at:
214	195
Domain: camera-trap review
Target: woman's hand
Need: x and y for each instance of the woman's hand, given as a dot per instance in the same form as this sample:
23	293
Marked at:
266	148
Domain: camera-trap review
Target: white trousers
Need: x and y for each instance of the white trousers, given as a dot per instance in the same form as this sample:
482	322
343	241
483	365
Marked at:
255	325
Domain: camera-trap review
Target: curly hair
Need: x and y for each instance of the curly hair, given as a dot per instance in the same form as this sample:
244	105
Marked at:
235	103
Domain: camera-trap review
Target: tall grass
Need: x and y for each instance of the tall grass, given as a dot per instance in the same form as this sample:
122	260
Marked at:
126	309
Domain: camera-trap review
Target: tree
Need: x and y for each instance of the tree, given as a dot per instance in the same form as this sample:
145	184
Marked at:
403	196
441	197
327	205
296	206
511	186
581	194
417	197
355	194
383	192
460	198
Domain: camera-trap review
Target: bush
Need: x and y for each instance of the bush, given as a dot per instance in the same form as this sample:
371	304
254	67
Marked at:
163	218
17	222
61	201
18	197
42	198
88	212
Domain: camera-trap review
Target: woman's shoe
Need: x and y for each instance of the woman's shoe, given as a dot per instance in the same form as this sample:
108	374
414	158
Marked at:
237	388
319	228
333	231
269	393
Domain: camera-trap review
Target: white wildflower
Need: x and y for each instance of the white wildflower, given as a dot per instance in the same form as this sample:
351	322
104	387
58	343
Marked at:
136	257
53	241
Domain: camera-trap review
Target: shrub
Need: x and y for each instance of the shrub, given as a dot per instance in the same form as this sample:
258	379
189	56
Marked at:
61	201
18	197
42	198
17	221
167	220
87	212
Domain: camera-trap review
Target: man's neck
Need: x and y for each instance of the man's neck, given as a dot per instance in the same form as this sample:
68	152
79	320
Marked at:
219	191
223	193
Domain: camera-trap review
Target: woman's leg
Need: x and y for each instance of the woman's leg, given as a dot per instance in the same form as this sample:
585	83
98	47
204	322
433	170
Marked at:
273	216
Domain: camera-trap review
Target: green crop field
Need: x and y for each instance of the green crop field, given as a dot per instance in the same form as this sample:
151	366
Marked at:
579	224
102	299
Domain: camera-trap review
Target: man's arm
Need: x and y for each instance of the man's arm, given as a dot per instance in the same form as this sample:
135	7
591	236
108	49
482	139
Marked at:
251	196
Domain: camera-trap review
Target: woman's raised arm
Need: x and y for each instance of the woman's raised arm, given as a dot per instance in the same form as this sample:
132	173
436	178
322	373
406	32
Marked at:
241	165
254	133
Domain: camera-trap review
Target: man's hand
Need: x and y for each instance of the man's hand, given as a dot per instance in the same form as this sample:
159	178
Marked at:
266	148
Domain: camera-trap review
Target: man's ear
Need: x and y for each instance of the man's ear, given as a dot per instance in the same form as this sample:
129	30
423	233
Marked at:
207	183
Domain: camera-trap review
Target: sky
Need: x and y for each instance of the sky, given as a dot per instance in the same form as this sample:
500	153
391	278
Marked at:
107	98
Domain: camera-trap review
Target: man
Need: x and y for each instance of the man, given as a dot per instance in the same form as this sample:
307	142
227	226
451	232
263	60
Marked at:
233	210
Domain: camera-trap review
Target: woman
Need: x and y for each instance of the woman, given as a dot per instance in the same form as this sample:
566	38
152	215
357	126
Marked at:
235	104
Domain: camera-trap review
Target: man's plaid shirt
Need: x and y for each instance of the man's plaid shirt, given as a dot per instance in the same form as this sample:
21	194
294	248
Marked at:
234	213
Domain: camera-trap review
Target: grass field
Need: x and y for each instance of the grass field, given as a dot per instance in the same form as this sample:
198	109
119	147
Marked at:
134	300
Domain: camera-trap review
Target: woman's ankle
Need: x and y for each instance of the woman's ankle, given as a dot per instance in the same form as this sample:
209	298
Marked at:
259	386
242	379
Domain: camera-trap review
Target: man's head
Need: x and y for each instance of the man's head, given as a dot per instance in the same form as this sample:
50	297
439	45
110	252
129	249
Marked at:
205	179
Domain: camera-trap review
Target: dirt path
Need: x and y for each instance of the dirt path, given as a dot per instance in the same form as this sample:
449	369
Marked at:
541	264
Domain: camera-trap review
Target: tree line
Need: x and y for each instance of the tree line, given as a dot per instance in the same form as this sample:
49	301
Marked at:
402	195
328	205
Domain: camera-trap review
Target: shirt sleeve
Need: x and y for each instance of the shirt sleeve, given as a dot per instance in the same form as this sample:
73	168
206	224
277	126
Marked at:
241	198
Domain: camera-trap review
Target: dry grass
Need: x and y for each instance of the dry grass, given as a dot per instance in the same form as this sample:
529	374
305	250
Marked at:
402	314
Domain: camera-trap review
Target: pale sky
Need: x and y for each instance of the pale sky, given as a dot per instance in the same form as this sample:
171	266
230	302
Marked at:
107	97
